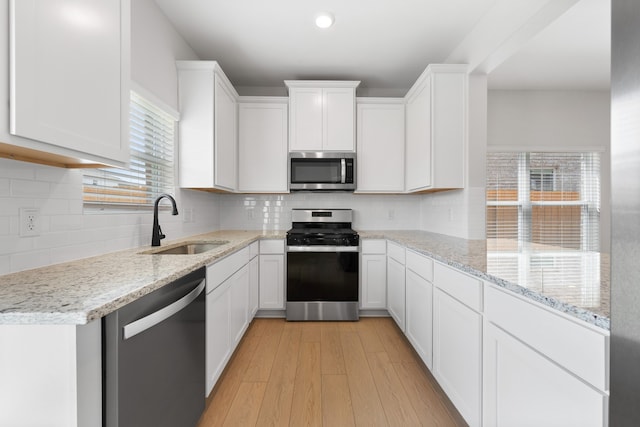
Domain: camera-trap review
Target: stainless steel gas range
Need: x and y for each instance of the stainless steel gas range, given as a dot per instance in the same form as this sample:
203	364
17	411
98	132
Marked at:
322	265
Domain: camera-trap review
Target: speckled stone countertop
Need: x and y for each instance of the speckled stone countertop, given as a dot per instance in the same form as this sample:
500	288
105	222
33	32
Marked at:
80	291
575	283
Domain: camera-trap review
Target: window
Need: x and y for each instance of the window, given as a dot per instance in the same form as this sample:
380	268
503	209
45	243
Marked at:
151	167
549	200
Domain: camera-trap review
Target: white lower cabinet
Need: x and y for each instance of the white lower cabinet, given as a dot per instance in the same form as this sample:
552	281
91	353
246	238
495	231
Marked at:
541	367
524	388
373	274
218	336
254	286
396	291
239	316
271	275
457	342
419	316
227	311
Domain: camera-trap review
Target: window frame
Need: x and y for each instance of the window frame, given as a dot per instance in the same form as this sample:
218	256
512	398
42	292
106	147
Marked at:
525	205
114	207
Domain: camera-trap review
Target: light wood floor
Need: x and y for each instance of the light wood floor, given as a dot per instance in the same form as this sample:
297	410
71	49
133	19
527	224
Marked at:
326	374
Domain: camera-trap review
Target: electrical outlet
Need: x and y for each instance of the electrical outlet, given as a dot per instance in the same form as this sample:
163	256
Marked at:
29	222
392	214
450	214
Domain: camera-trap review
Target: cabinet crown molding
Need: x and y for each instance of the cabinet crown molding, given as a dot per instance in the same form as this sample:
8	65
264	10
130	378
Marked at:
322	83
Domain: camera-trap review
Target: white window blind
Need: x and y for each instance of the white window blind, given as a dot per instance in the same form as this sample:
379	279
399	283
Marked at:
151	168
548	200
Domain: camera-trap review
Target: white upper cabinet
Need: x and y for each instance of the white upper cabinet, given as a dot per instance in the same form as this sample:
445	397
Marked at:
69	79
208	127
380	141
436	123
322	115
262	145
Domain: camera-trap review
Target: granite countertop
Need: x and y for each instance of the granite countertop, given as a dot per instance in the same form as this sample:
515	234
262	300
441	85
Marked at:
573	282
80	291
77	292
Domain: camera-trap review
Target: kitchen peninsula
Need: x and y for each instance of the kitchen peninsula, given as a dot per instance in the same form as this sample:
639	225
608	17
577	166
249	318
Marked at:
67	301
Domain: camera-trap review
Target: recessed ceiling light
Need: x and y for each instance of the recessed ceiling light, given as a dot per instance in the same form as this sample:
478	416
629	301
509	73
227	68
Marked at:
324	20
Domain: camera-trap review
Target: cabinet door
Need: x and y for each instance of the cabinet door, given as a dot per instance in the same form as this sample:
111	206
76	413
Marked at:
262	147
457	354
272	282
396	291
380	140
239	316
218	333
306	119
338	119
418	156
524	388
225	129
254	283
374	281
419	316
70	83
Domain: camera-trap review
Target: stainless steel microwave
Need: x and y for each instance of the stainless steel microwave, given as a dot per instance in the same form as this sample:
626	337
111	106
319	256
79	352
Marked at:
322	171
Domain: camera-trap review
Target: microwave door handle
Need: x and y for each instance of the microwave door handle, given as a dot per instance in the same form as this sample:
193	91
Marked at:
343	164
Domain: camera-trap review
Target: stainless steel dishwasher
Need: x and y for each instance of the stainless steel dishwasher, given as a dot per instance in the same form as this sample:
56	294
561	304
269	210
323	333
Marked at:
154	357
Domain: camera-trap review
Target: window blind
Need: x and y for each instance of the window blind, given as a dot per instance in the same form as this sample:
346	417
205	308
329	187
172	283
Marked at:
151	167
548	200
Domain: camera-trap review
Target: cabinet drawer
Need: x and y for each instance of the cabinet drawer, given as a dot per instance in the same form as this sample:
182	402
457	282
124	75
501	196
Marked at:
464	288
254	250
577	348
223	269
374	246
396	252
421	265
275	246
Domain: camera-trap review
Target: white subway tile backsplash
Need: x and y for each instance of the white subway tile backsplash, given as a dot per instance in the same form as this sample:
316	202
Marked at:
5	187
24	188
67	231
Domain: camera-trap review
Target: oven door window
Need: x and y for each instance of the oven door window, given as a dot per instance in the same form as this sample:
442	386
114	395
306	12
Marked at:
322	276
316	171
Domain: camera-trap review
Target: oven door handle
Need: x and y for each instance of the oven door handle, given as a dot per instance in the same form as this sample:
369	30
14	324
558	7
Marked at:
319	248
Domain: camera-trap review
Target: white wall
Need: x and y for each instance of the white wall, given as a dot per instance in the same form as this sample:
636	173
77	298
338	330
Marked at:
555	121
67	232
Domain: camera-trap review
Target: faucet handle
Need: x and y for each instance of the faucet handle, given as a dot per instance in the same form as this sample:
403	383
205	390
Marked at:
160	234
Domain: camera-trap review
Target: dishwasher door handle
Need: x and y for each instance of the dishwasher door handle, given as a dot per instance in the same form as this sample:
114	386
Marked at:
149	321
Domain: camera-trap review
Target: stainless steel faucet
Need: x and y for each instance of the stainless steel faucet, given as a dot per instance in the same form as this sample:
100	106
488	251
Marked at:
156	233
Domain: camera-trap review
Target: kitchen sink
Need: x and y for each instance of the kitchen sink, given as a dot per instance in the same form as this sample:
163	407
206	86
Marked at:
190	248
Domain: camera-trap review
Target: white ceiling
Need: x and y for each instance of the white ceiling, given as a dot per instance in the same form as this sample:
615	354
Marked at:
384	43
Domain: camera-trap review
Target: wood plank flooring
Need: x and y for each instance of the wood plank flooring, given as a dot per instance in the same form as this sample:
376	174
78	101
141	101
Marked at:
326	374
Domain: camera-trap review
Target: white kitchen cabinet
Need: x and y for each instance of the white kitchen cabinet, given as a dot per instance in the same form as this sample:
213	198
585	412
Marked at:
58	366
373	274
380	145
218	333
524	388
537	358
396	283
254	279
419	313
322	115
208	127
227	311
457	340
262	145
272	274
69	82
239	316
436	123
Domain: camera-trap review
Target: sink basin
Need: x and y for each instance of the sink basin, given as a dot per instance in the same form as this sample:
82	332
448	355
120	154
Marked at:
190	248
